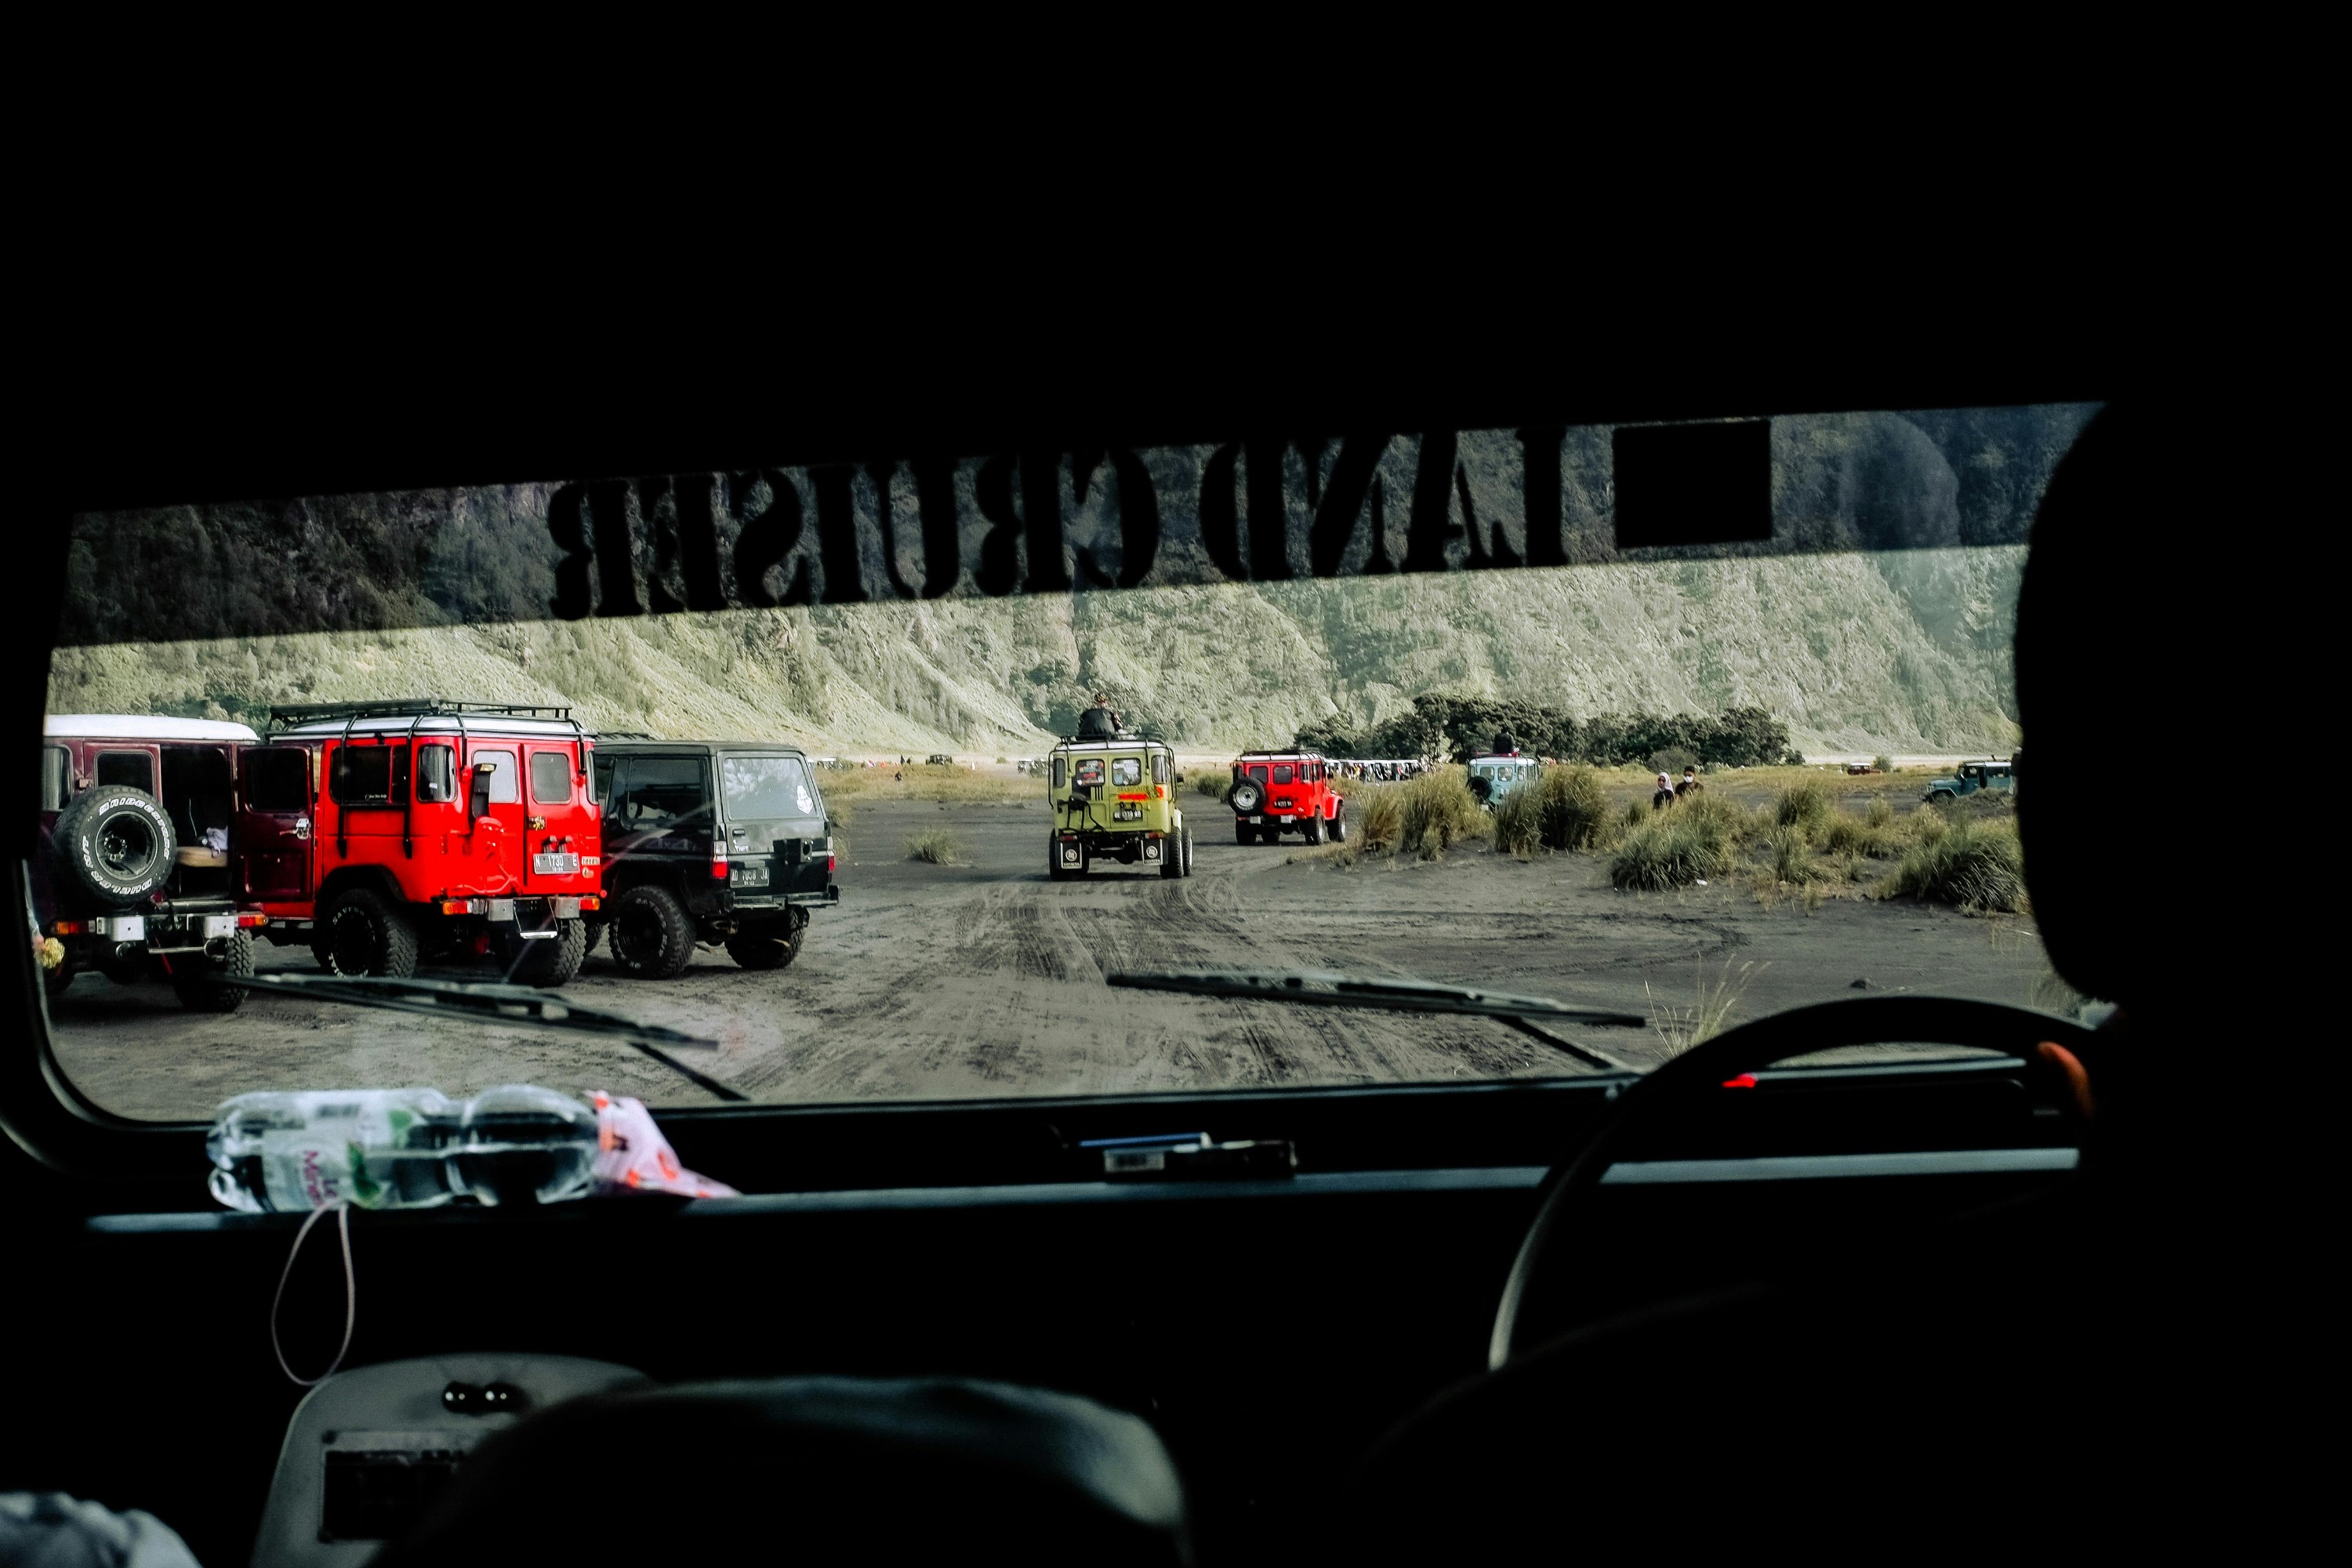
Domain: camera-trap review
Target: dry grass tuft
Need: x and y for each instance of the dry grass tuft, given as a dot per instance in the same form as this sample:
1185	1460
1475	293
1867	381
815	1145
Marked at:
936	846
1977	867
1565	808
1804	805
1680	1028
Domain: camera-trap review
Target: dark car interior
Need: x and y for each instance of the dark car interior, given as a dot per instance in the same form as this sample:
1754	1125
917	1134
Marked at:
1884	1310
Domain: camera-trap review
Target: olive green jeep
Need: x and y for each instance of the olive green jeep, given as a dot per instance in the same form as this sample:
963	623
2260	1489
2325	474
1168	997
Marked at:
1114	799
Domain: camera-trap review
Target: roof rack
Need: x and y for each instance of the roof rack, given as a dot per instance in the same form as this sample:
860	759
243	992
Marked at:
623	735
286	715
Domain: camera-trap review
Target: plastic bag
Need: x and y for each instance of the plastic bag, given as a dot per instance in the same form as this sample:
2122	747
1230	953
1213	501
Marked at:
632	1155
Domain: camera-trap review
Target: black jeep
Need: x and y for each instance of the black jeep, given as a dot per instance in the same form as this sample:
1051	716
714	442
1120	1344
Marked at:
716	841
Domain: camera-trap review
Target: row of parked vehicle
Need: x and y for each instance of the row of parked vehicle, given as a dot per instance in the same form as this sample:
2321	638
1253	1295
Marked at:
381	834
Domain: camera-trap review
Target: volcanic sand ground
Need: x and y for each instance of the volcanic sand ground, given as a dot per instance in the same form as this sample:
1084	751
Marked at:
986	979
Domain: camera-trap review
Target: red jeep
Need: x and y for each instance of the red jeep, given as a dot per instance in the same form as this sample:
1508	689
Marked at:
382	832
134	878
1278	792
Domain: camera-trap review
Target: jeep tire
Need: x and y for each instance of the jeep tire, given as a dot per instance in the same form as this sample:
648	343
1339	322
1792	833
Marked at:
114	844
763	948
1246	796
594	939
1339	826
652	935
546	962
200	989
1311	829
1244	833
1188	852
360	932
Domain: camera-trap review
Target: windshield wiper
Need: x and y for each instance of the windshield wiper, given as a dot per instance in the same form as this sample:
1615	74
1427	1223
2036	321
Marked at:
494	1003
1315	988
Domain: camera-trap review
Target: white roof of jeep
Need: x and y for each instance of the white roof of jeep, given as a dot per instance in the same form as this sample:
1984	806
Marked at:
143	726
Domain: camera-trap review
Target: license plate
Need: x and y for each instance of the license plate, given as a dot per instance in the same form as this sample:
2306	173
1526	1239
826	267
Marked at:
565	865
751	875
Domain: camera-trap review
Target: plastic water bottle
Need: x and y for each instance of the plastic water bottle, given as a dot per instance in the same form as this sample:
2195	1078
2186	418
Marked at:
519	1143
399	1148
376	1148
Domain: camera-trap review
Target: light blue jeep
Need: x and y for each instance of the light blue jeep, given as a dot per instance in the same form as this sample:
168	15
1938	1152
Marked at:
1996	774
1493	779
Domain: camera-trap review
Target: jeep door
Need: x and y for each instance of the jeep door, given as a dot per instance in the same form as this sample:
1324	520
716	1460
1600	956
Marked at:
560	827
271	839
501	842
775	825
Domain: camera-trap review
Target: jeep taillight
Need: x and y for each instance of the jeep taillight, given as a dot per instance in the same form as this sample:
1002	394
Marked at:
719	864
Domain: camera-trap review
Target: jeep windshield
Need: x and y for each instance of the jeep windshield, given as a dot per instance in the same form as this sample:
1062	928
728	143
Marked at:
872	774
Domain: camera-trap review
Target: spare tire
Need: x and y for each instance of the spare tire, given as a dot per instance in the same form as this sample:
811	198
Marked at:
115	844
1482	789
1246	796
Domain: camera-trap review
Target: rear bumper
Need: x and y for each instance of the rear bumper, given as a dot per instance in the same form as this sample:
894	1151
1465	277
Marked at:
1132	844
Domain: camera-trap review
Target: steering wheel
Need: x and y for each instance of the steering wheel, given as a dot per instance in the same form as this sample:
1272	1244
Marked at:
1860	1021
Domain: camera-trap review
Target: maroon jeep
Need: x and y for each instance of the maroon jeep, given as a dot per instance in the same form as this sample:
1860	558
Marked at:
135	878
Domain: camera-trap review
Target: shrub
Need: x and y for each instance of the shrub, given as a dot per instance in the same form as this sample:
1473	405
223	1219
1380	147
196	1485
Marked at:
1440	812
1884	764
1376	817
1214	785
935	845
1519	829
1789	856
1565	808
1716	815
1673	759
1803	805
1975	866
1873	834
1670	849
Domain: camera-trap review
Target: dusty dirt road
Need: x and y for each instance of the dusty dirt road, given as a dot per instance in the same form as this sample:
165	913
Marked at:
937	982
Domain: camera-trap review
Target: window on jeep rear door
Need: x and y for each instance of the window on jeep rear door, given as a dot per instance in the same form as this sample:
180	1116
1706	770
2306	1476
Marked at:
1281	774
134	770
1126	773
551	778
765	789
276	780
506	783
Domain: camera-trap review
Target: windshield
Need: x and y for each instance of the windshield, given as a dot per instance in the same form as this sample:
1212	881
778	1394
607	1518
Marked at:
1748	745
